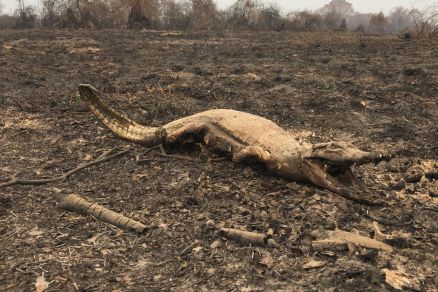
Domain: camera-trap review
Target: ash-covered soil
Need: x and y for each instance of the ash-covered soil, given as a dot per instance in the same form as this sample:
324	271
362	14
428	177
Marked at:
378	92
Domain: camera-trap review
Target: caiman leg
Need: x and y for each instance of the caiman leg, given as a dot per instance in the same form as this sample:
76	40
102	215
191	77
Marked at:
197	129
216	138
220	140
251	153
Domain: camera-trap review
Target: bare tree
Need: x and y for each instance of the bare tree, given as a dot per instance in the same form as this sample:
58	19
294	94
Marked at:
270	18
335	11
20	5
399	19
343	25
359	21
426	21
341	7
143	14
378	23
204	13
304	21
26	17
51	11
332	19
176	15
243	14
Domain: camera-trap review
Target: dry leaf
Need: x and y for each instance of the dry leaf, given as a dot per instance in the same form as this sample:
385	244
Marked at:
215	244
312	264
252	76
139	176
105	252
163	226
41	284
126	279
35	232
267	261
87	157
197	249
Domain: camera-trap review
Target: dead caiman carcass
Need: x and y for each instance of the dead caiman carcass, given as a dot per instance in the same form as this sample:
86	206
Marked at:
247	137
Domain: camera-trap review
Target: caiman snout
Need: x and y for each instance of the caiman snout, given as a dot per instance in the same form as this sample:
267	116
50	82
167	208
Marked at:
329	164
377	157
344	153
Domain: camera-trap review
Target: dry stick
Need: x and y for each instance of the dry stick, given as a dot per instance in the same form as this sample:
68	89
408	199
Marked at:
162	149
138	160
347	195
174	156
339	240
151	149
162	153
253	238
185	250
102	158
75	203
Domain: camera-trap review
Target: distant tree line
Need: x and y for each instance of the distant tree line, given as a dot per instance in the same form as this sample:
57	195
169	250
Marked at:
337	15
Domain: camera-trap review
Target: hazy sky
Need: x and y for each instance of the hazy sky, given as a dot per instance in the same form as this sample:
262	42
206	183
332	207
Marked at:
289	5
359	5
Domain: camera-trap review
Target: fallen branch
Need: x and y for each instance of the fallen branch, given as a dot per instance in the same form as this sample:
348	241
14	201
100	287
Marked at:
342	240
253	238
102	158
75	203
175	156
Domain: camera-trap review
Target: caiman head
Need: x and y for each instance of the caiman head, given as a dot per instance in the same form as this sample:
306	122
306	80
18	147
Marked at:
328	165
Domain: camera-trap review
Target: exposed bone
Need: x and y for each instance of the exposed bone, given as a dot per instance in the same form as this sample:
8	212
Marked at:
339	240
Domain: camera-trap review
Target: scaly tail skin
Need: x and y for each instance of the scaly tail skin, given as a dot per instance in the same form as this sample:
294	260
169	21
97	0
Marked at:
123	127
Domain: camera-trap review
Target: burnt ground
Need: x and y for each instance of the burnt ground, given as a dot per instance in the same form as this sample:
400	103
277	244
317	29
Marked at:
378	92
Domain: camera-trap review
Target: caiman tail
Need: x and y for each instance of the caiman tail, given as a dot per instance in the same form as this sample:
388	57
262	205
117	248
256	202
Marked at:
120	125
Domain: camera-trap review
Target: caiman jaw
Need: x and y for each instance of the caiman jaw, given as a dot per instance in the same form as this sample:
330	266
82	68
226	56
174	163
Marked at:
334	177
328	165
